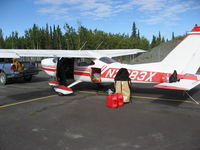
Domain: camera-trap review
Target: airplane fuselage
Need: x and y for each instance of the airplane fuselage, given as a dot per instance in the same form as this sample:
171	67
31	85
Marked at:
100	72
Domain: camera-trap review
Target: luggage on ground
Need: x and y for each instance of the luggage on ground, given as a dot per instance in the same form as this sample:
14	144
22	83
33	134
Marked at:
123	87
122	84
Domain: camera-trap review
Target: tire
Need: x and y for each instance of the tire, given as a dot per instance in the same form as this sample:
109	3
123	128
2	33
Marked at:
60	94
3	78
28	78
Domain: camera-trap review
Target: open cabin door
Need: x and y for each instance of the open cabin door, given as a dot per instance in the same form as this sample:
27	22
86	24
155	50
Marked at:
65	69
95	75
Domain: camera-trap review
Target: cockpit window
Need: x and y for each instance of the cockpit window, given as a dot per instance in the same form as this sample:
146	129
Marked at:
85	62
107	60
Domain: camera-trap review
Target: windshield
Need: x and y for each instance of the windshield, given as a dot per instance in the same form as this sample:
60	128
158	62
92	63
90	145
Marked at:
107	60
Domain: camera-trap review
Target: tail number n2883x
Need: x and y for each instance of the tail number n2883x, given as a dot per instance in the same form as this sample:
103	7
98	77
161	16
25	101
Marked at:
134	75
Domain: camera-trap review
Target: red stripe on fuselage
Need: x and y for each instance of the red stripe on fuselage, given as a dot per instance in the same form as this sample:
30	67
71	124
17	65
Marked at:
82	74
49	69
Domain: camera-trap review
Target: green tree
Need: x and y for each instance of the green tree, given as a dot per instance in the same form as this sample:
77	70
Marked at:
134	31
47	37
138	34
12	41
51	37
71	37
153	42
159	37
144	44
173	36
1	39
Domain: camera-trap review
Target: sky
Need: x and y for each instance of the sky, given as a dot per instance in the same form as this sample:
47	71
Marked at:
112	16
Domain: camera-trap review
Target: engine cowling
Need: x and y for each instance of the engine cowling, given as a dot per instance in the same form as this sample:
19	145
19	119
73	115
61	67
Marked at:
49	65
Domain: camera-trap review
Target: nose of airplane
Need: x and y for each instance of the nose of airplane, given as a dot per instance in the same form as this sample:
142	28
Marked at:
49	66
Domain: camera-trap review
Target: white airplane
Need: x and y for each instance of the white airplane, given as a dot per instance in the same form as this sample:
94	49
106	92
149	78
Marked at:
177	71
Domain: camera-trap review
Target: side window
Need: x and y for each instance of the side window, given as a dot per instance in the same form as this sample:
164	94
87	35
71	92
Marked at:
107	60
55	60
85	62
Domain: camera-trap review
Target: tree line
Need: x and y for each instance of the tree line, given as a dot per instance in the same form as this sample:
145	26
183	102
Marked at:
52	37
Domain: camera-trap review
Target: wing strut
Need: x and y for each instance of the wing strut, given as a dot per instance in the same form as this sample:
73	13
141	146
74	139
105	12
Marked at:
191	98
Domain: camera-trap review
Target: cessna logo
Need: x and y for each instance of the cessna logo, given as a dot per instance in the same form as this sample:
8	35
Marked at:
134	75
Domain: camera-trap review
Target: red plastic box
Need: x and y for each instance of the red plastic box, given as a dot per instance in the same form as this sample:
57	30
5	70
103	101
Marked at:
114	100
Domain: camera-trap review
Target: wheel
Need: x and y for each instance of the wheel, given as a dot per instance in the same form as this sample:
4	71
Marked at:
3	78
60	94
28	78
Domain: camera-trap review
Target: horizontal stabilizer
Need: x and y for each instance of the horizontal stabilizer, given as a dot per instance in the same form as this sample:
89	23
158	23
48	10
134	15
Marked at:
183	85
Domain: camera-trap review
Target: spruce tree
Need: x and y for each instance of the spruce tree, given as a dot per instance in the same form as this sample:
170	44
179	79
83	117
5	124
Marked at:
1	39
173	36
134	31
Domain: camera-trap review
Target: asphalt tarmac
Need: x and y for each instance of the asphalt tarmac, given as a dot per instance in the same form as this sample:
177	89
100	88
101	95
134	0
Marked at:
34	117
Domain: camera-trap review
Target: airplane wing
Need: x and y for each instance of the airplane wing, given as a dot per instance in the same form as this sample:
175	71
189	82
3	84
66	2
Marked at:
118	52
183	85
17	53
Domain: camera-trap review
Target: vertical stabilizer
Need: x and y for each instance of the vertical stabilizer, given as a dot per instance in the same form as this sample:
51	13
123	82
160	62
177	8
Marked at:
185	57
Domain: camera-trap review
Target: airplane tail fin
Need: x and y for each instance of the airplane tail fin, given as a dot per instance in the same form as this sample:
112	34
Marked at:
185	58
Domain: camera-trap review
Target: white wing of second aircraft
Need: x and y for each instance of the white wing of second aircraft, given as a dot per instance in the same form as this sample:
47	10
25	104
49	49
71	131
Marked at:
7	54
16	53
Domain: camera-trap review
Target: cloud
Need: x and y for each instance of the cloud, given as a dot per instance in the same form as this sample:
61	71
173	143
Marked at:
196	7
55	10
95	8
54	2
152	11
150	5
169	14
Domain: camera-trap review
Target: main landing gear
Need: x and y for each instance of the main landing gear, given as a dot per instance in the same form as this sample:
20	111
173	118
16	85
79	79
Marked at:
62	90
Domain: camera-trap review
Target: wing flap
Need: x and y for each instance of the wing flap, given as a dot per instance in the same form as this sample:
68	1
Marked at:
183	85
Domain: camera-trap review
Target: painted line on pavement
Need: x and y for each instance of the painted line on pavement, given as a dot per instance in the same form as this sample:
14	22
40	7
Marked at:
144	97
92	92
163	99
27	101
